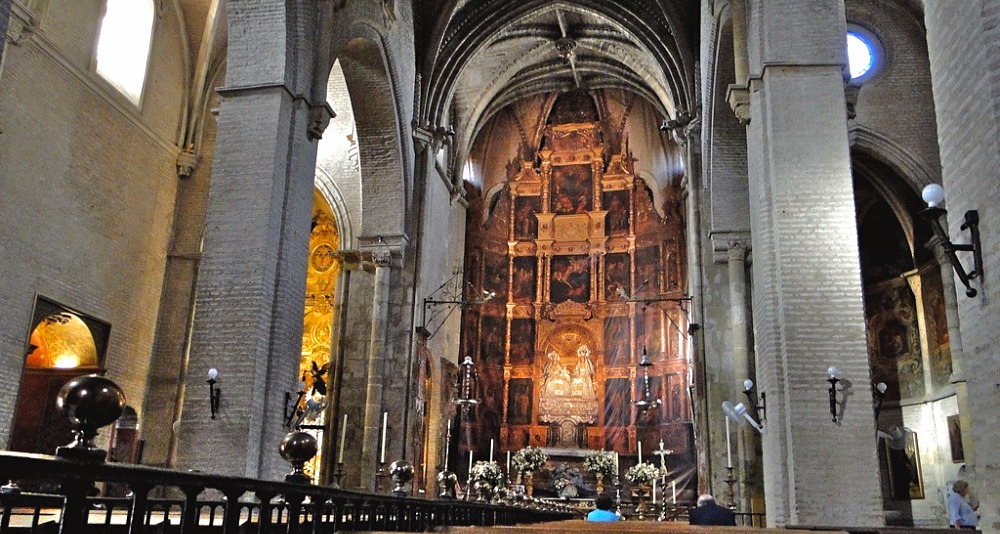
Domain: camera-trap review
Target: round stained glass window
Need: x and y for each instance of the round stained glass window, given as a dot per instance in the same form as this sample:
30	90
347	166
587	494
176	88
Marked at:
860	55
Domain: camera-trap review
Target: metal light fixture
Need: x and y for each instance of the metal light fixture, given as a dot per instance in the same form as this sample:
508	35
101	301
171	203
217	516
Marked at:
879	392
648	400
468	385
759	408
933	195
833	380
292	409
213	392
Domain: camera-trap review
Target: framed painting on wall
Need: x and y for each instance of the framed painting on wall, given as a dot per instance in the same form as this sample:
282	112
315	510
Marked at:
955	439
903	457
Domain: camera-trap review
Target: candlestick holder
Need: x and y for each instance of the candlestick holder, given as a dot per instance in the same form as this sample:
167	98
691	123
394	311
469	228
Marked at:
730	481
338	476
381	473
618	496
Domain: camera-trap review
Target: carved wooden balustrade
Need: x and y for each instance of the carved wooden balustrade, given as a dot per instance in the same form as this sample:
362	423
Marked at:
230	505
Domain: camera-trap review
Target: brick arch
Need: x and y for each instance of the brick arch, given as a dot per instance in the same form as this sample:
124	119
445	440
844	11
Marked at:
725	150
385	191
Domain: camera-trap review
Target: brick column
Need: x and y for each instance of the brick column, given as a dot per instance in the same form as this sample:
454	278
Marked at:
251	283
807	294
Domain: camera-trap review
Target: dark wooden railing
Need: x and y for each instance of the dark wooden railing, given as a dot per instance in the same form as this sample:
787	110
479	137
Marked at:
230	504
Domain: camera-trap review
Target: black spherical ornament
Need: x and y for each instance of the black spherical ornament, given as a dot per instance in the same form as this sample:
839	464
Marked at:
297	448
400	472
446	484
89	402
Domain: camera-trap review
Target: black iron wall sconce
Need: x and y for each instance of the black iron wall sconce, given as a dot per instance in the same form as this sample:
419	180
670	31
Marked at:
933	195
759	407
833	380
214	392
879	392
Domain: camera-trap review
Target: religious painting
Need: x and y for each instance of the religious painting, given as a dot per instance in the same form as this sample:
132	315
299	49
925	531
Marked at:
570	279
473	275
519	401
525	222
676	402
495	277
616	276
650	333
488	414
938	344
616	439
903	459
492	338
616	202
572	190
955	439
523	285
617	402
522	341
894	341
617	350
470	325
647	271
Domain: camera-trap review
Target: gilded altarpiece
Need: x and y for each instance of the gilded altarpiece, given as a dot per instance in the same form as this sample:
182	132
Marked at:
586	275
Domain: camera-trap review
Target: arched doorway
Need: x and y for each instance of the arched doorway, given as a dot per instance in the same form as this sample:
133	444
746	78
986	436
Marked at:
63	344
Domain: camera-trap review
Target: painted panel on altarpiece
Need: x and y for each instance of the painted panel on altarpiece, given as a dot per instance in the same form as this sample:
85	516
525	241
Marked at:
572	190
570	279
617	204
523	285
616	276
522	341
525	222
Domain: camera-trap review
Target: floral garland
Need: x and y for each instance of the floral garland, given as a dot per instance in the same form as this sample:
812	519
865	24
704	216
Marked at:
486	471
529	459
642	474
602	462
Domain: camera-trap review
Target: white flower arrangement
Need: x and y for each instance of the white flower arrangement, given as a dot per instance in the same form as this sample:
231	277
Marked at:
602	462
529	459
487	471
643	473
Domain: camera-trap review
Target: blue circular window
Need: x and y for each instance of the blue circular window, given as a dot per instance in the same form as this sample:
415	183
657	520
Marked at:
863	52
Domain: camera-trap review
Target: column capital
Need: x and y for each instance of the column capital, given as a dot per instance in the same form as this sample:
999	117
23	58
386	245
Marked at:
738	97
320	116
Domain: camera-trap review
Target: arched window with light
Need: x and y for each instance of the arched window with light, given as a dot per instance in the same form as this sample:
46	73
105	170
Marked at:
864	53
123	45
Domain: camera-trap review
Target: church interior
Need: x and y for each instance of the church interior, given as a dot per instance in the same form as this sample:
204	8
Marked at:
703	236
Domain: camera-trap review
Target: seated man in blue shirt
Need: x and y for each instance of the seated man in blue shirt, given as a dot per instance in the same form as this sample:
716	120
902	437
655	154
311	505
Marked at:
603	512
960	513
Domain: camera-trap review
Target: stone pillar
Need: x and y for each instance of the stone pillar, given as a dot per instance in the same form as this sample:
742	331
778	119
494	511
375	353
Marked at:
807	296
370	445
251	283
740	360
349	261
4	17
958	376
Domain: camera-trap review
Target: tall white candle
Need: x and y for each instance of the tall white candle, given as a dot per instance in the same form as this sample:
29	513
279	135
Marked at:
654	491
508	462
616	462
385	435
343	438
640	452
673	489
491	449
470	463
729	447
447	445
